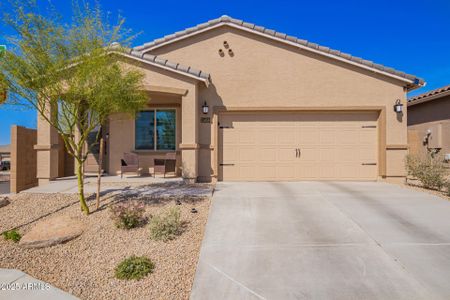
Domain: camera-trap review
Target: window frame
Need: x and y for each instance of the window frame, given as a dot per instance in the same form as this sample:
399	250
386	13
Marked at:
155	131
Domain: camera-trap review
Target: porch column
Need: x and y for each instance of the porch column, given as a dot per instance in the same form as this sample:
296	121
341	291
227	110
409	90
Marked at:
189	135
47	148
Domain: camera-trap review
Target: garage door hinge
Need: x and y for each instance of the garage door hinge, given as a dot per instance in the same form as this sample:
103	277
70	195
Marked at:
226	164
222	127
369	126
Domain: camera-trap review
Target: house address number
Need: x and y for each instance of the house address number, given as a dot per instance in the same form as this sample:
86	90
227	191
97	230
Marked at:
205	120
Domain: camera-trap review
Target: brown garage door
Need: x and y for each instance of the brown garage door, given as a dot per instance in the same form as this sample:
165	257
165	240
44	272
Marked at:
298	146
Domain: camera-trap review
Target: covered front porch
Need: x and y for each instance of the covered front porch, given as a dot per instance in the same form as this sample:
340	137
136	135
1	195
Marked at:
68	185
168	125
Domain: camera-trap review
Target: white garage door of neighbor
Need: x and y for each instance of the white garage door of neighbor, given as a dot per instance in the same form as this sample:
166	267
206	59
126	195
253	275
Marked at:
298	146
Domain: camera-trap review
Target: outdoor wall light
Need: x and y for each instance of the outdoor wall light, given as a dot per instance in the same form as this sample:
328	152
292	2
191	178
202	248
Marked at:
225	44
398	106
221	53
205	108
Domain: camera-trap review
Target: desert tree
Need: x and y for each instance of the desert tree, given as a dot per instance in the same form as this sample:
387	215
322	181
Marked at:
70	71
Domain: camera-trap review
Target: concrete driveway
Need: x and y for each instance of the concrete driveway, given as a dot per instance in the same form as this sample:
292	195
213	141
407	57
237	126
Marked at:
324	240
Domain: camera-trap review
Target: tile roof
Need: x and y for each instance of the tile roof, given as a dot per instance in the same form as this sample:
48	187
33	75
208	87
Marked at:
225	20
155	60
430	95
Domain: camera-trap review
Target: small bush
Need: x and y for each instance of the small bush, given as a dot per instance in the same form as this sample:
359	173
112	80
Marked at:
429	169
134	267
12	235
128	215
167	226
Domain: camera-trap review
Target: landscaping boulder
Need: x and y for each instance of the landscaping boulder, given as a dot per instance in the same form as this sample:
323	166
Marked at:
4	201
51	232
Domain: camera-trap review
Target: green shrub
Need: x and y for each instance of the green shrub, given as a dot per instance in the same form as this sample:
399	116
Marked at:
429	169
166	226
128	215
12	235
134	267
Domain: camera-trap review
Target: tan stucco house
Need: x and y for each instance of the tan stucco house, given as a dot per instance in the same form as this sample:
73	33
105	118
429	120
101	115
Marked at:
278	108
429	122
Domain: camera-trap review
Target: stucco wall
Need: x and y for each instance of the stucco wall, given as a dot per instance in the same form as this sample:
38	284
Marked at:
434	116
23	158
266	74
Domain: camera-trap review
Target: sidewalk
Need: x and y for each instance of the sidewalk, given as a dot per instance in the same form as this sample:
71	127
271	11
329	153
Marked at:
68	185
16	285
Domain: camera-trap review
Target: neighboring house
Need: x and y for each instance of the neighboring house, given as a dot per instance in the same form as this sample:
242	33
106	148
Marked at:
5	153
238	101
429	122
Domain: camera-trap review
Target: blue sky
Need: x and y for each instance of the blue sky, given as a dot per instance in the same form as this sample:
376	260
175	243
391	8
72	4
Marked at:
411	36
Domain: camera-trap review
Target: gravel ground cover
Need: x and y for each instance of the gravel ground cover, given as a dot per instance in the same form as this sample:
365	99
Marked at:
85	266
416	185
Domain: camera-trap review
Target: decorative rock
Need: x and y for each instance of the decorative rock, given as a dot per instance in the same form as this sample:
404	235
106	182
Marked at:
51	232
4	201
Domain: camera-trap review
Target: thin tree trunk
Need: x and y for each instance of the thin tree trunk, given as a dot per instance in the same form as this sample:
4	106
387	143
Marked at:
80	179
99	176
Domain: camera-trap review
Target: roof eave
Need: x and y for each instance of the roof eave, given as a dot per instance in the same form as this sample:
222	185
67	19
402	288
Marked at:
428	98
207	81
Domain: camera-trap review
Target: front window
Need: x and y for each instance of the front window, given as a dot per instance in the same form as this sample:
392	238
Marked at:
156	130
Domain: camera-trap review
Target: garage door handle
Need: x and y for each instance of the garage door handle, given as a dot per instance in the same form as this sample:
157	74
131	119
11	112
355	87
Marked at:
369	164
226	164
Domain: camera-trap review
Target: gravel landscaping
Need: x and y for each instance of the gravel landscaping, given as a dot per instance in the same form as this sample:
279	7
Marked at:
85	266
416	185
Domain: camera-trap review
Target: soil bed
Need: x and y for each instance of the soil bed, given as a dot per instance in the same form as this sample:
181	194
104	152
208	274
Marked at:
85	266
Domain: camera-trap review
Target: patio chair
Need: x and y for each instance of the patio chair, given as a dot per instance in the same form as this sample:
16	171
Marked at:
166	165
129	163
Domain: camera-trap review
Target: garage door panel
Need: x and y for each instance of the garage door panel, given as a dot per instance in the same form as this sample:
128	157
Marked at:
347	170
327	154
246	154
247	171
231	136
367	154
308	135
286	135
286	154
285	172
367	171
230	154
228	172
346	136
333	146
266	171
366	137
307	171
268	155
346	153
266	136
247	136
308	154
